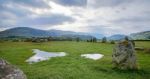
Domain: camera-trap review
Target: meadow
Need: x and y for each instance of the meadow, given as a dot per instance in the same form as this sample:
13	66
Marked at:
73	66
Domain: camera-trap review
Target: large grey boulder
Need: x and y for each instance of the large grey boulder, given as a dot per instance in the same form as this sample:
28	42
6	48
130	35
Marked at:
8	71
124	56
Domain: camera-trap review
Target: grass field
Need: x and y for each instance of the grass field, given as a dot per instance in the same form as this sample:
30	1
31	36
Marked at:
73	66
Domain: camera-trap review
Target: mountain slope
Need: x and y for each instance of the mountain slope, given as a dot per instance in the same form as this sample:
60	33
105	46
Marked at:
116	37
30	32
98	36
24	31
141	35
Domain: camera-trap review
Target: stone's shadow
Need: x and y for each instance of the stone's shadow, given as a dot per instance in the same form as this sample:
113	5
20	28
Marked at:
140	71
108	70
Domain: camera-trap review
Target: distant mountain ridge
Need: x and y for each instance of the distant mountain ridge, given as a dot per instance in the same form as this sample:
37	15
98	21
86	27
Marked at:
23	31
116	37
31	32
145	35
141	35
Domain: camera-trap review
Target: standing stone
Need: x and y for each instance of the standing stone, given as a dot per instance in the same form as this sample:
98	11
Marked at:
8	71
124	55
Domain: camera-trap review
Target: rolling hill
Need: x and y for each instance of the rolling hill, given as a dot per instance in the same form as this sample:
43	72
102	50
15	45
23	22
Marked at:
116	37
31	32
145	35
141	35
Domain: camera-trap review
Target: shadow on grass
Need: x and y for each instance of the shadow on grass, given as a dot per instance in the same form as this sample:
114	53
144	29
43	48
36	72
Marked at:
130	71
109	70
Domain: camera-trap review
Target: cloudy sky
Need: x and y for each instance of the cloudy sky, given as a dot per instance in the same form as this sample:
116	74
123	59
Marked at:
95	16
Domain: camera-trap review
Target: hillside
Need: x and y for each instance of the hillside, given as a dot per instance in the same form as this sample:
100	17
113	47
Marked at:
116	37
30	32
141	35
24	31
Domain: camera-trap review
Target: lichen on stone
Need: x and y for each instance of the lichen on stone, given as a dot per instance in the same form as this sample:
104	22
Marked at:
124	56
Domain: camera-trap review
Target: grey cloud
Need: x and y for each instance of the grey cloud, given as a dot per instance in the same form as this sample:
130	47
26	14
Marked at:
16	16
99	29
72	2
106	3
13	7
31	3
134	19
14	11
50	20
54	19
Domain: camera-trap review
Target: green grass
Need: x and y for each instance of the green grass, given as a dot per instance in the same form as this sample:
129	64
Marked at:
145	44
73	66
